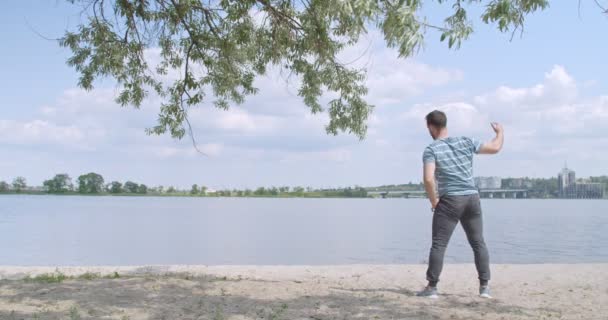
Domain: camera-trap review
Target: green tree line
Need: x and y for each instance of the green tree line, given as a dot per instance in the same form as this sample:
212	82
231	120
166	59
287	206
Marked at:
94	183
90	183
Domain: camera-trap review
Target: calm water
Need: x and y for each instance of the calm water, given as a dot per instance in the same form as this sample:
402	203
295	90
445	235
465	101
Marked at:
71	230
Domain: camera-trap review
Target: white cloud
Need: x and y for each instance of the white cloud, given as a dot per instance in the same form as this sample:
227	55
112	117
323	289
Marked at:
337	155
391	79
44	132
545	123
208	149
234	120
557	87
463	118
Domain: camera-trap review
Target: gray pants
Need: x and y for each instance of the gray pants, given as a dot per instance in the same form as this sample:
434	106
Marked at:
450	210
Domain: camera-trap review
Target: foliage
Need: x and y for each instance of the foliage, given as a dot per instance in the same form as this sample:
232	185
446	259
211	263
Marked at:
601	179
220	47
194	190
4	187
89	276
399	187
349	192
115	187
536	187
142	189
74	314
61	183
90	183
260	191
57	277
131	187
19	184
298	191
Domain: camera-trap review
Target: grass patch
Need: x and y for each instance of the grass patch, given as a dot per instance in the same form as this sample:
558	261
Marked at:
57	277
277	314
274	313
89	276
74	314
219	314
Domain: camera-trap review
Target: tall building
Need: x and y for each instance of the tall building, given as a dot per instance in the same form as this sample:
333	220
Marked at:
488	182
565	179
569	188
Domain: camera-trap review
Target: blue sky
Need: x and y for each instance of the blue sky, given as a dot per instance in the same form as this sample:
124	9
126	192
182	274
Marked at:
549	88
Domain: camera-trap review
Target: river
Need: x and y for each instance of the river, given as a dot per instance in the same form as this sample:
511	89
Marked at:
77	230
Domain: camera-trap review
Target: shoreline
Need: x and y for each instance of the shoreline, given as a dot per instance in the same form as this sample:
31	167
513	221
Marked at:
264	197
239	292
14	272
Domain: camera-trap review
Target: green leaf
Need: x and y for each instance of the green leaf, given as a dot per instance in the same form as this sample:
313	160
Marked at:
220	48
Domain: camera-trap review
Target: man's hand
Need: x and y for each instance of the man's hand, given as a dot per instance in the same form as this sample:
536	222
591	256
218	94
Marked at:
434	203
497	127
495	145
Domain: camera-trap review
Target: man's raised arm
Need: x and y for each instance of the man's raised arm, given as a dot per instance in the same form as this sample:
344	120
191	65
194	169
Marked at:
495	145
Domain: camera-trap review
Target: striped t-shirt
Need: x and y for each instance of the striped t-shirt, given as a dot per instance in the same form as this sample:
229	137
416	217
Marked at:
453	158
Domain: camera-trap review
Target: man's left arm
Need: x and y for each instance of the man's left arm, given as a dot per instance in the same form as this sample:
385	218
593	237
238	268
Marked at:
429	183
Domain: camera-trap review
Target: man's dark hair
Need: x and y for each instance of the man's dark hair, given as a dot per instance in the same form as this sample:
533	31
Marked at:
437	119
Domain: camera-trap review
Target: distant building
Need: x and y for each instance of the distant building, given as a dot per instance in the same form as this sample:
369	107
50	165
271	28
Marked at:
569	188
517	183
584	191
488	182
566	179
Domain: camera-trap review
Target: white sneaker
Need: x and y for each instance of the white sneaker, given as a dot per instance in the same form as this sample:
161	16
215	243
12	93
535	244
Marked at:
428	292
484	292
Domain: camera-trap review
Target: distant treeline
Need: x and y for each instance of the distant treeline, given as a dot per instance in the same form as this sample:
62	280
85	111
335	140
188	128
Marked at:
90	183
94	183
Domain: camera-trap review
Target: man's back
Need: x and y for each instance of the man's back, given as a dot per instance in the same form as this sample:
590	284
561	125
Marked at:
453	158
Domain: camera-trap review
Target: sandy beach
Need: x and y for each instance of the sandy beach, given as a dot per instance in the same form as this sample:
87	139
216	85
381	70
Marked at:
577	291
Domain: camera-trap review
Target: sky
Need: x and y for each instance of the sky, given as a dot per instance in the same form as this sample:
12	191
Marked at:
549	88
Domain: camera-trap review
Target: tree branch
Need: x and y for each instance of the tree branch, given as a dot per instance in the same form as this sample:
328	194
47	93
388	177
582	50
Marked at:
601	6
185	91
290	20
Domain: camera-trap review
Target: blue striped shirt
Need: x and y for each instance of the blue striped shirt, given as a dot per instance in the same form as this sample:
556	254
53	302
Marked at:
453	158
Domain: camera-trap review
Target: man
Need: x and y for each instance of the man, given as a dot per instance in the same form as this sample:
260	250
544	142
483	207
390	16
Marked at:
449	161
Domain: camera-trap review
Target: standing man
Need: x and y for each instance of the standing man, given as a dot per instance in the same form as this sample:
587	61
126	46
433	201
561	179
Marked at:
449	161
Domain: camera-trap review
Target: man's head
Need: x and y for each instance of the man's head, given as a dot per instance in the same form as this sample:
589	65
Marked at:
436	122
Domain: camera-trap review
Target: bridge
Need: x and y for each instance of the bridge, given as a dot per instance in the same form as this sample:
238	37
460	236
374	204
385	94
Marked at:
398	194
503	193
484	193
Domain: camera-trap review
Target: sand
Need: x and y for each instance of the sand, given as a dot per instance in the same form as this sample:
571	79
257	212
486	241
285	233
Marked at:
577	291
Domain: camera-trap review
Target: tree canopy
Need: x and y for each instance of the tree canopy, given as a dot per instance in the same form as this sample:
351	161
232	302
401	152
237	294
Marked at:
19	184
90	183
115	187
60	183
219	47
4	187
